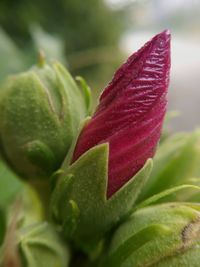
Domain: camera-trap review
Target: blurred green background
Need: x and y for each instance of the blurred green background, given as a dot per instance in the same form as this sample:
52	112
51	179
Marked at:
93	37
82	34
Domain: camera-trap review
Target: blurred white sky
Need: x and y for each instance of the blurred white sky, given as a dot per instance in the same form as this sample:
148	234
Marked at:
182	17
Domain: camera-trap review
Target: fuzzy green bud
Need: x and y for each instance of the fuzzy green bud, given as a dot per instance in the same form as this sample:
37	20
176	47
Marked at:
157	236
40	113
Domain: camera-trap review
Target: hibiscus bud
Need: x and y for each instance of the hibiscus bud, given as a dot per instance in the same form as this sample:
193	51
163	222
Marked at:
101	181
41	110
161	235
131	111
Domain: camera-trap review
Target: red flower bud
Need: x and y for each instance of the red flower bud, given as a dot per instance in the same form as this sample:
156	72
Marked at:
131	111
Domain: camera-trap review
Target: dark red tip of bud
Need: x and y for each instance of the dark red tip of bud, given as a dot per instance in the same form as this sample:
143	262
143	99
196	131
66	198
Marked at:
131	111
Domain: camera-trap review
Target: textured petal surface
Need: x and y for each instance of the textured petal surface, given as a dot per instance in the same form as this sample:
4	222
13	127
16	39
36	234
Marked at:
130	113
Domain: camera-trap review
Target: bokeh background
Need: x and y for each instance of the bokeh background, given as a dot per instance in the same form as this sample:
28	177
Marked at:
93	37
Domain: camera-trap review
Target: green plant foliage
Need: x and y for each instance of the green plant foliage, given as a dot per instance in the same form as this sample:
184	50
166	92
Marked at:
153	220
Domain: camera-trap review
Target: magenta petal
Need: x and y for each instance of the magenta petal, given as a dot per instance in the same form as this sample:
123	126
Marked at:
131	111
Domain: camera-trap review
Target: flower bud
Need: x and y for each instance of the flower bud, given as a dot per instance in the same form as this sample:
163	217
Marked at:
100	184
41	110
131	111
161	236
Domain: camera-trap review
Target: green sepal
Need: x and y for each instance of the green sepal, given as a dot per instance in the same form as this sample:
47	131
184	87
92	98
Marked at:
85	183
153	235
75	100
160	197
86	92
39	154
